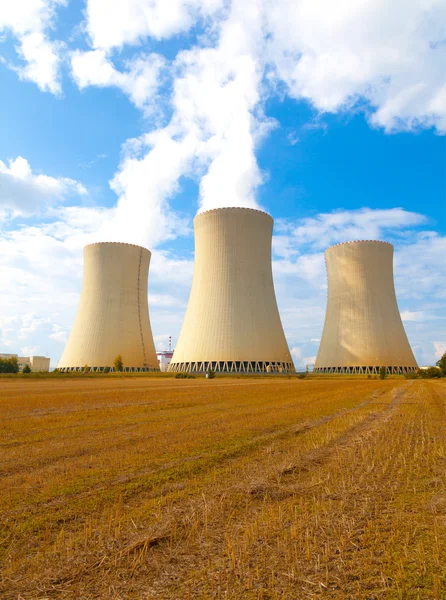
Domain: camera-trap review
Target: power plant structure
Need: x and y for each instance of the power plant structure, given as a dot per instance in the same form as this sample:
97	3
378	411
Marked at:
232	323
113	313
363	330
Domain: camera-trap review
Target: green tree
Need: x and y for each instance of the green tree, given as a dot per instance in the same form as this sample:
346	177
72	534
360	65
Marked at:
26	369
118	364
382	372
86	368
9	365
441	364
430	373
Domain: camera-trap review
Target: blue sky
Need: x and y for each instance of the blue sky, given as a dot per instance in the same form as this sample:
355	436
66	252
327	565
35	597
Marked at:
120	120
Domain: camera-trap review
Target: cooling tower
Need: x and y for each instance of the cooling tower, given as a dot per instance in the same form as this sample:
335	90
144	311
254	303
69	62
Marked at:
232	323
363	330
113	313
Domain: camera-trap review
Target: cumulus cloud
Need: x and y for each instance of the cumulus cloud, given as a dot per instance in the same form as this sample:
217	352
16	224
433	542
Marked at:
330	54
215	125
29	21
300	360
339	226
113	23
139	81
23	192
144	186
296	353
389	54
336	57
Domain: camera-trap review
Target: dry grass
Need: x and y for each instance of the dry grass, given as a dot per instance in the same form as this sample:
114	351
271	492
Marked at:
254	489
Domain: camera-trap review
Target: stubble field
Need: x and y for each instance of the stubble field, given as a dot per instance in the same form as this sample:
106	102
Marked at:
230	488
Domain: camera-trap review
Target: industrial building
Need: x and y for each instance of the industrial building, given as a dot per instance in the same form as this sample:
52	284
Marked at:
232	323
35	363
164	359
113	313
363	330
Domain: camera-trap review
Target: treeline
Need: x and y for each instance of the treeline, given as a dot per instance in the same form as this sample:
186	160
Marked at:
431	372
9	365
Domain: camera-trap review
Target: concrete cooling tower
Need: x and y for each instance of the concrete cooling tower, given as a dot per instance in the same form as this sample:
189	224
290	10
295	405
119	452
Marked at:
113	313
232	323
363	330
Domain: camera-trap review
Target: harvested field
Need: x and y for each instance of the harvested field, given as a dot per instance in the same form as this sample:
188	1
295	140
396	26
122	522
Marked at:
230	488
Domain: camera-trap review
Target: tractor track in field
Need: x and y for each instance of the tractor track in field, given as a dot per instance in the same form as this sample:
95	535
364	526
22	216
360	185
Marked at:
268	490
252	445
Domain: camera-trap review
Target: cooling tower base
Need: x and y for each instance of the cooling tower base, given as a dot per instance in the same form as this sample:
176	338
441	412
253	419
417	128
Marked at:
102	369
365	370
232	367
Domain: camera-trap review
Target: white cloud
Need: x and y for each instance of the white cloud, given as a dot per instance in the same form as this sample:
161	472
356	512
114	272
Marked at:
213	130
30	324
139	81
23	192
161	341
113	23
43	61
337	56
334	56
309	360
339	226
164	301
299	359
29	21
144	185
59	334
389	53
408	315
283	245
440	349
296	353
420	272
29	350
331	54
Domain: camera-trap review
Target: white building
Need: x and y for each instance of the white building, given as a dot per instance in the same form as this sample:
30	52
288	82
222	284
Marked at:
164	358
36	363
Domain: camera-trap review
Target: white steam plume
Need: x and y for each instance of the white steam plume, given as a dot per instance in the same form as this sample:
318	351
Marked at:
335	56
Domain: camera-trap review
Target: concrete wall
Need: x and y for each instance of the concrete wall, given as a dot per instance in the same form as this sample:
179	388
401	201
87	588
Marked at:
113	313
232	313
39	363
363	326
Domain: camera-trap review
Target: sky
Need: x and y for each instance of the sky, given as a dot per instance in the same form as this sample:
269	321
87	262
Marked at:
119	121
